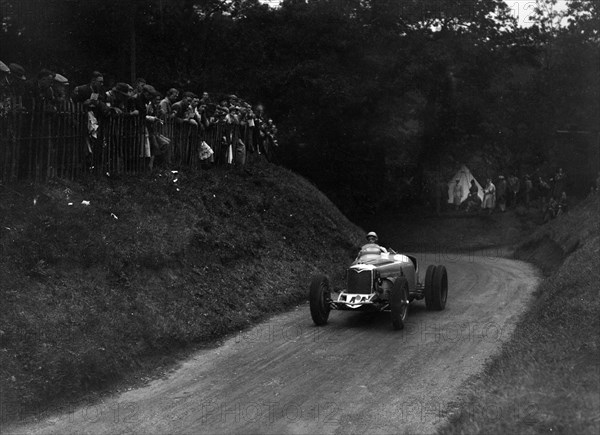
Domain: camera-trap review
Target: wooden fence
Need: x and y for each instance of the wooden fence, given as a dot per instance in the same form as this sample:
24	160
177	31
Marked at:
40	144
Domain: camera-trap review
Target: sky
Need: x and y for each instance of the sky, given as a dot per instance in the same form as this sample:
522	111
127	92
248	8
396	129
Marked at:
522	9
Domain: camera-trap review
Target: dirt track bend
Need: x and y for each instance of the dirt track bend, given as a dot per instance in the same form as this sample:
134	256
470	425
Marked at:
355	375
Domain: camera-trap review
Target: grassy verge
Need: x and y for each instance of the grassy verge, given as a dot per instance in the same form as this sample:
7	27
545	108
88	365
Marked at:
547	378
92	293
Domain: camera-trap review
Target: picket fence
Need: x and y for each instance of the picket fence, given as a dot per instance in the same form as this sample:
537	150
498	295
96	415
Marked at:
38	145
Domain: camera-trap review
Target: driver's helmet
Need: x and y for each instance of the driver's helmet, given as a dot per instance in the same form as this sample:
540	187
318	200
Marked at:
372	234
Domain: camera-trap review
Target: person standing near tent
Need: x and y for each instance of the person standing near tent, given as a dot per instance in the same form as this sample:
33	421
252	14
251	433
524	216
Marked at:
514	185
473	201
528	189
501	193
457	193
489	196
441	194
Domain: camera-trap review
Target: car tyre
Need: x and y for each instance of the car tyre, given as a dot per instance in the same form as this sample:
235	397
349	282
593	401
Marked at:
319	298
399	303
439	288
429	287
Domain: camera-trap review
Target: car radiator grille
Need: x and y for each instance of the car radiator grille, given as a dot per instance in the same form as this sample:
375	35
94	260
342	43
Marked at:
359	281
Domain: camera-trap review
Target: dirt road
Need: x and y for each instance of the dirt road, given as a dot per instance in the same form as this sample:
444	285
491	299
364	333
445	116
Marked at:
355	375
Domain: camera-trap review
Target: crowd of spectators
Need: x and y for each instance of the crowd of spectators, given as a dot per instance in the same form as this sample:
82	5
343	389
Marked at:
548	193
169	120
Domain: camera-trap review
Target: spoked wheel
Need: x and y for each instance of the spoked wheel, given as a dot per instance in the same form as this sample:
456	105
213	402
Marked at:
319	298
399	303
436	290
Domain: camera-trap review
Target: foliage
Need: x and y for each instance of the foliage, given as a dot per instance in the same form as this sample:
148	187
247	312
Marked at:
420	82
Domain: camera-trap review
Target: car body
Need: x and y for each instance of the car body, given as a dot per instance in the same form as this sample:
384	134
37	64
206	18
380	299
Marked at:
383	280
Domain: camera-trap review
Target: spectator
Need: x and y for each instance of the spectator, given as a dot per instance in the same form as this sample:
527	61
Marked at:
5	105
514	185
180	109
558	183
92	95
197	112
473	201
441	194
43	93
18	87
528	189
489	196
501	193
544	190
563	205
146	102
119	100
60	86
138	86
93	98
166	105
457	194
120	103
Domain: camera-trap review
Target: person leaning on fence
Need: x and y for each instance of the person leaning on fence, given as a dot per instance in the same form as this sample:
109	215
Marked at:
18	87
165	110
43	93
60	87
92	95
4	92
93	98
138	86
145	101
180	109
184	126
124	138
160	144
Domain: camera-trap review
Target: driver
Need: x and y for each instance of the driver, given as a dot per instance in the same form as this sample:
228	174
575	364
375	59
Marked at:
372	247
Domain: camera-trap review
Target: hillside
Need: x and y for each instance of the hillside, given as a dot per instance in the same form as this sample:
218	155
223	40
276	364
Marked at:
93	293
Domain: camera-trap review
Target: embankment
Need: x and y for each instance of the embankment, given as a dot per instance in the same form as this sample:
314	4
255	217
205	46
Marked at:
547	377
93	294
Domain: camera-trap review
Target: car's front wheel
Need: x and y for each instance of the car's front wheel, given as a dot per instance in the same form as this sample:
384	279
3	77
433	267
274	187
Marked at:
319	298
399	303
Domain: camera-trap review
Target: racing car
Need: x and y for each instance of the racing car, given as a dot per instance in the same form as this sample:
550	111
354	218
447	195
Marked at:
382	281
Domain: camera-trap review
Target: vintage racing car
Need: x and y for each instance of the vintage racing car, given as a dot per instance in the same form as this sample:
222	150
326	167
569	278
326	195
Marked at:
385	281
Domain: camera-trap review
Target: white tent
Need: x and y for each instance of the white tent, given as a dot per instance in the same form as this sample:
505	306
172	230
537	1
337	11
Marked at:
464	178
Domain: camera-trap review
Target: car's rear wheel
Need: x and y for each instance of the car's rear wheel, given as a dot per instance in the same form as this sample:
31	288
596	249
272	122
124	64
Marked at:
429	286
399	303
319	298
439	289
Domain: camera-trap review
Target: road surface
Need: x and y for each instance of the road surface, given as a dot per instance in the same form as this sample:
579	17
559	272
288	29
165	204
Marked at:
355	375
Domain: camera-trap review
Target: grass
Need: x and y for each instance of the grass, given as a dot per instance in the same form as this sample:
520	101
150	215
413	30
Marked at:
92	294
419	230
547	377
